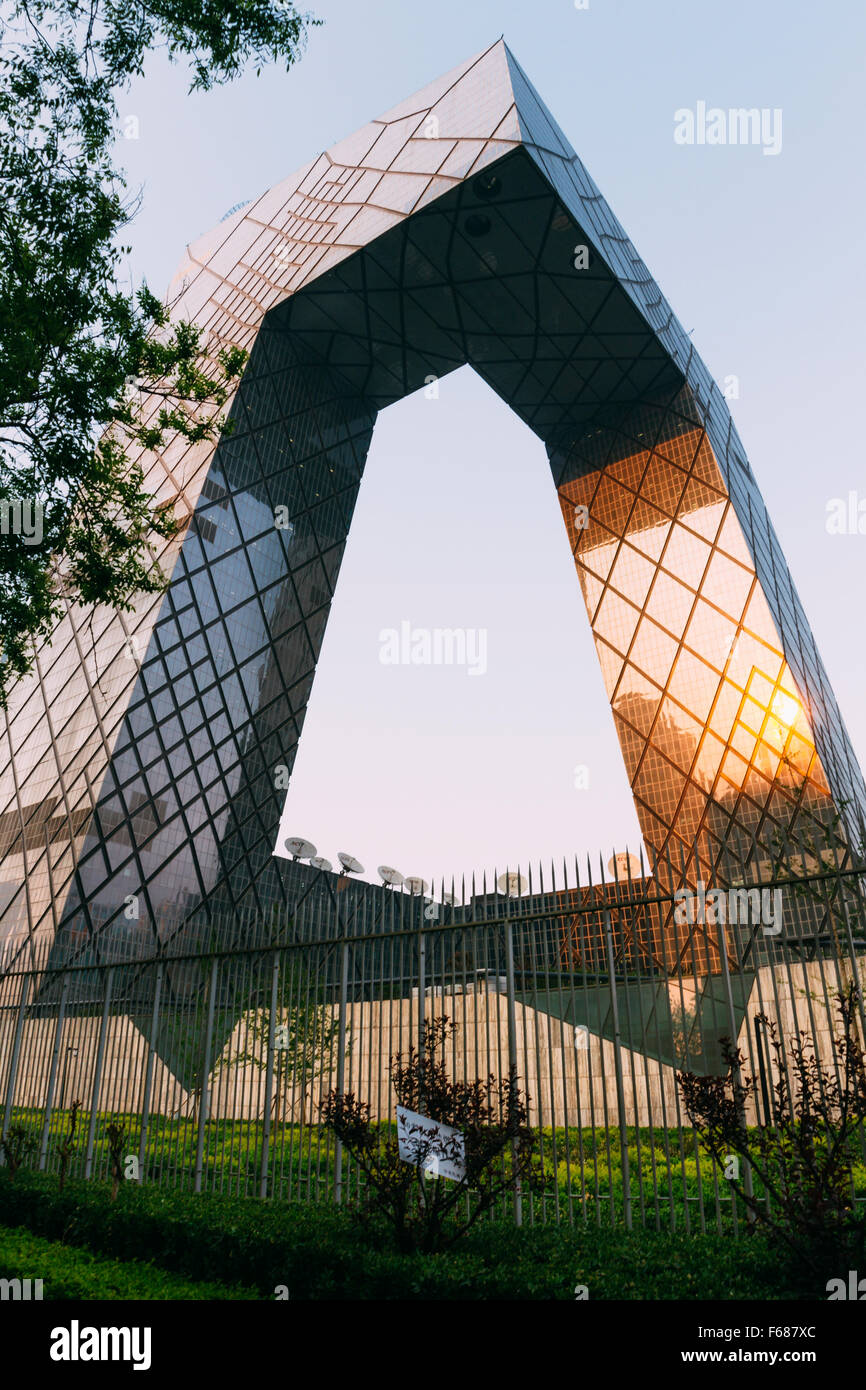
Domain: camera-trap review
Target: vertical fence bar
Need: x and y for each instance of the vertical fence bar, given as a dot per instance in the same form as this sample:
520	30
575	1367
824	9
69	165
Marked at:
620	1090
512	1049
422	990
341	1065
97	1073
204	1101
52	1075
269	1076
148	1075
13	1062
747	1175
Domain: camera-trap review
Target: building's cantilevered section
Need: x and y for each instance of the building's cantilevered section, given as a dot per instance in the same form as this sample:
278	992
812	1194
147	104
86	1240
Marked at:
141	757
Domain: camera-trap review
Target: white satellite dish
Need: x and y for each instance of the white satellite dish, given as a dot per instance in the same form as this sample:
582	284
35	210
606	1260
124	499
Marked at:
624	866
392	878
318	862
299	848
350	864
416	886
512	884
448	899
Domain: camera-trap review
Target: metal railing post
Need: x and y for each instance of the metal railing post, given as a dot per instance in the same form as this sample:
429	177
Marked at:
52	1075
204	1102
620	1089
97	1074
422	990
341	1065
148	1075
269	1076
747	1174
13	1062
512	1053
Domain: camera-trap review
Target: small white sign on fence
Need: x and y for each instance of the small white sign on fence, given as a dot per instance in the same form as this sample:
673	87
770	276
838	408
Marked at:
438	1149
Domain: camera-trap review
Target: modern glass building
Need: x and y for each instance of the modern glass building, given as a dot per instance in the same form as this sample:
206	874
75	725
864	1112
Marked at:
146	759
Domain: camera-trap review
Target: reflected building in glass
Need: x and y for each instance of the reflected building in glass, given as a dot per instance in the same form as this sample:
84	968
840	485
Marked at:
146	758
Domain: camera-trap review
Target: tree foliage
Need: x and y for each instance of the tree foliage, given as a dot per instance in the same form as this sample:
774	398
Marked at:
95	372
305	1040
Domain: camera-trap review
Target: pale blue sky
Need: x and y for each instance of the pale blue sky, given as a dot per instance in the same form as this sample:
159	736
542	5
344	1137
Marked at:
457	524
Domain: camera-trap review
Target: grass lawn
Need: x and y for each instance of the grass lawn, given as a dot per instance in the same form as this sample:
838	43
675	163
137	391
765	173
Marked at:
674	1184
68	1272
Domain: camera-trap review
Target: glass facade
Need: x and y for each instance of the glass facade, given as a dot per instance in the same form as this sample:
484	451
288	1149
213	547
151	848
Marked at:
146	758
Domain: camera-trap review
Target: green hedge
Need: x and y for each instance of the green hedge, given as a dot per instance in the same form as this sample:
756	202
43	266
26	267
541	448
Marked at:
69	1273
321	1252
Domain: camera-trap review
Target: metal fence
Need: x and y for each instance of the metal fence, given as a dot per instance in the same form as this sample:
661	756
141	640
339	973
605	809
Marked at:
213	1052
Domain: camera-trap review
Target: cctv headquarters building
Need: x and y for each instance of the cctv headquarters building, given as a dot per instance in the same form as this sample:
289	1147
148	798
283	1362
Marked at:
139	756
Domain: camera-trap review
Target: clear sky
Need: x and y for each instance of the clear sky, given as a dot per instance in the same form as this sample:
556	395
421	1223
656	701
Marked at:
457	524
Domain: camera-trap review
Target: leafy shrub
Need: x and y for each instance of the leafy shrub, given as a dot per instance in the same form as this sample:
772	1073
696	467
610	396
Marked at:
496	1147
804	1154
324	1253
17	1147
66	1148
